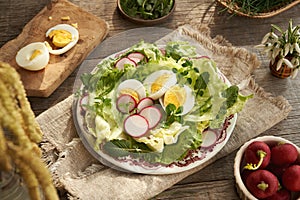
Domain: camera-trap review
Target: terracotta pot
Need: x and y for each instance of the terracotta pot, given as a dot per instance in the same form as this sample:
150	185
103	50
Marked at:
283	72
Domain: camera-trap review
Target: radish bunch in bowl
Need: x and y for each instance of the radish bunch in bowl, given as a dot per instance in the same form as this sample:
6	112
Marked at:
268	168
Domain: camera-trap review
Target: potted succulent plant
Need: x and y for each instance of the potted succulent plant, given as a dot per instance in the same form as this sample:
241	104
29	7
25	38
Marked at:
282	47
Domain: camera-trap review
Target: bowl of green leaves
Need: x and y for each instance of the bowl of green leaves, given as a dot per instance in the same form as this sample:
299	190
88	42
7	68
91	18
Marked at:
146	12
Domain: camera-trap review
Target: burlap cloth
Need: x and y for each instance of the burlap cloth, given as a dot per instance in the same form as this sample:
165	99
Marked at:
77	172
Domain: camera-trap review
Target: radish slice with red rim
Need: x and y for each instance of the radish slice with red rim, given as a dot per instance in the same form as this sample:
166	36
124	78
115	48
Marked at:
145	102
202	57
121	63
126	103
83	102
136	57
163	51
152	114
136	125
209	138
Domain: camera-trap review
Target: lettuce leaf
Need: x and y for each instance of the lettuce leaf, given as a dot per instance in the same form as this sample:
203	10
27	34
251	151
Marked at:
215	99
179	49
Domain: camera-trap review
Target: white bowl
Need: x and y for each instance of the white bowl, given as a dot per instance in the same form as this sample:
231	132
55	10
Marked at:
241	188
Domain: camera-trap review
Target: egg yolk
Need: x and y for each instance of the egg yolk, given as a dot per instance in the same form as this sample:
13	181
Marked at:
175	95
159	82
60	38
35	54
130	92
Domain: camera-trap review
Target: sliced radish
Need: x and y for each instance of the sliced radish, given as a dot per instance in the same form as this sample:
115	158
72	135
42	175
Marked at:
136	125
120	63
145	102
209	138
162	111
136	57
201	57
163	51
126	103
152	115
83	102
119	54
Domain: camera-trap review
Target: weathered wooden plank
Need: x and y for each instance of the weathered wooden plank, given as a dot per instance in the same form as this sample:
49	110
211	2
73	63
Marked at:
222	189
215	181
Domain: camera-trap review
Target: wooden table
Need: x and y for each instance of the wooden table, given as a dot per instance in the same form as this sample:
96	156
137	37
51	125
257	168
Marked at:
215	181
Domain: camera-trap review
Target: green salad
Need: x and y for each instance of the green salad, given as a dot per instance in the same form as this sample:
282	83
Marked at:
153	103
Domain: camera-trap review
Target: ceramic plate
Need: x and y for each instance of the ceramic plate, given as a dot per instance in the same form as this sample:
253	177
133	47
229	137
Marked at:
155	161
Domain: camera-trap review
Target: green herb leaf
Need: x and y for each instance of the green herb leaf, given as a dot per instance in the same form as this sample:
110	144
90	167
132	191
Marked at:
120	148
231	95
201	83
173	114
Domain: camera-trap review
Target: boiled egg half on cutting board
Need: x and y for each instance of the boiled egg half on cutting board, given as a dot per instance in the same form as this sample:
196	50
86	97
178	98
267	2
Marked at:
63	37
35	56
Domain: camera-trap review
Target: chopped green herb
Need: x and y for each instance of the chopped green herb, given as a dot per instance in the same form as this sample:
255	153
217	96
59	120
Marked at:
147	9
257	6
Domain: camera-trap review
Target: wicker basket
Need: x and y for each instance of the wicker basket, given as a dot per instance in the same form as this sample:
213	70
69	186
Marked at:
235	10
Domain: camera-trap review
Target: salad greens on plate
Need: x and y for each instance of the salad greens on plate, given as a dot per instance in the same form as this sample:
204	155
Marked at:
153	103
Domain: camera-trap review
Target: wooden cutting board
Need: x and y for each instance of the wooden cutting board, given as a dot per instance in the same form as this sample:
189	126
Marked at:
92	30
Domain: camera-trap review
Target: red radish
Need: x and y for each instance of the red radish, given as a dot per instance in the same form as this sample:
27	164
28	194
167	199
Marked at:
257	155
276	170
126	103
83	102
245	173
291	178
136	57
209	138
136	125
262	183
283	154
281	194
144	102
152	115
120	63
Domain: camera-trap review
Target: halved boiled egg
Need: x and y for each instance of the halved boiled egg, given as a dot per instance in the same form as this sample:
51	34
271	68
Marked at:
179	96
34	56
63	37
159	82
132	87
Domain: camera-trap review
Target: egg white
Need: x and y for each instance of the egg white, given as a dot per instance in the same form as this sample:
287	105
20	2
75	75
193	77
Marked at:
75	36
134	85
189	102
172	80
37	63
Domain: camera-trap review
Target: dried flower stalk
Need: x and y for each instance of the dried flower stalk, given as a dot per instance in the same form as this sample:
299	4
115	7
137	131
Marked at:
20	135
